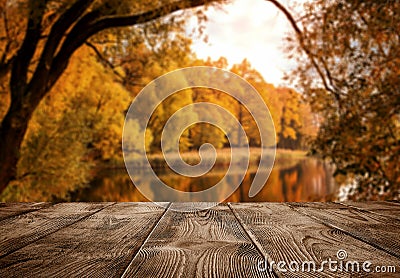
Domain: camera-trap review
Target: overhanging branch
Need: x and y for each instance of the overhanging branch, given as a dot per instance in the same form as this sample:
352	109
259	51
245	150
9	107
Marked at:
310	55
64	22
26	51
93	23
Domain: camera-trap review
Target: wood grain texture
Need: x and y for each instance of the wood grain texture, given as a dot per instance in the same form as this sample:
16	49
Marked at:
24	229
286	235
388	209
145	240
101	245
374	229
8	210
208	243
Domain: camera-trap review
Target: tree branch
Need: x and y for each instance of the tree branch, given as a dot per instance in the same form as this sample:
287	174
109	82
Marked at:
303	46
103	59
93	23
99	55
65	21
26	51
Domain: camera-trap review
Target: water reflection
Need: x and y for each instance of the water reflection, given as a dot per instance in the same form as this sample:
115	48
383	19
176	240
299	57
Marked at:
300	181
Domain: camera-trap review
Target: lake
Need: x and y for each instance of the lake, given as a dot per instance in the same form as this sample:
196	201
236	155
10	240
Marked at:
291	180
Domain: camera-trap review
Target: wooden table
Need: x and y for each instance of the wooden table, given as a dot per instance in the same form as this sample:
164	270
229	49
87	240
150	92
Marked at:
229	240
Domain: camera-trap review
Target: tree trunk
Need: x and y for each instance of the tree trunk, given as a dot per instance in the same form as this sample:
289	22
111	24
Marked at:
12	132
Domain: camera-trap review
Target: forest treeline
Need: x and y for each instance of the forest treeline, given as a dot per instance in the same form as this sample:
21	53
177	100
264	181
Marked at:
294	123
79	123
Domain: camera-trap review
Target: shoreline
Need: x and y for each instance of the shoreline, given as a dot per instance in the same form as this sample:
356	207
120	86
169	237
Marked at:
223	158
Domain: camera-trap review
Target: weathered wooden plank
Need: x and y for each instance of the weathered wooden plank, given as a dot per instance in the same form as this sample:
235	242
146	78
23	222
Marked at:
24	229
288	236
101	245
374	205
372	228
105	242
387	209
8	210
208	243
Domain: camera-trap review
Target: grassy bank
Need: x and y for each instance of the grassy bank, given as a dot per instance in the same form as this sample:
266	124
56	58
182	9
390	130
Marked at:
282	157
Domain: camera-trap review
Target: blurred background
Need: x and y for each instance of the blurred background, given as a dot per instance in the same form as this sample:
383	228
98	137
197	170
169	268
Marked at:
329	72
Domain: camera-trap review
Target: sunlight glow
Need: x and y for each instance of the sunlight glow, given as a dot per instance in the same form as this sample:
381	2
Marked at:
252	29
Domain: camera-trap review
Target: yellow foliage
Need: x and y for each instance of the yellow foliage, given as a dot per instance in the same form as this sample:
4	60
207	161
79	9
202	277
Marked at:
79	122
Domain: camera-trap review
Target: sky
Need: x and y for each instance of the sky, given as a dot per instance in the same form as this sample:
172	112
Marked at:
252	29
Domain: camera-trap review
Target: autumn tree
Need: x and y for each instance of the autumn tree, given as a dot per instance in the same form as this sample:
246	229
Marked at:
267	92
77	125
348	69
36	49
202	133
290	119
298	125
149	62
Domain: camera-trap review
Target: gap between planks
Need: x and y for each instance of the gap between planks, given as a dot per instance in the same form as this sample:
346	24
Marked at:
255	242
345	230
146	240
213	231
379	208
